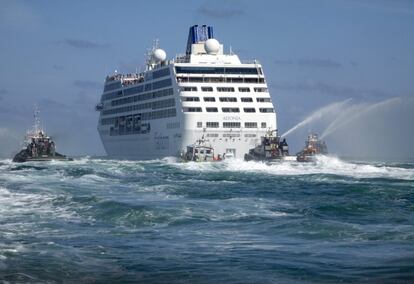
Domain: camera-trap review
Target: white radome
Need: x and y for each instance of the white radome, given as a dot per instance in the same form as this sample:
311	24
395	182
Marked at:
159	55
212	46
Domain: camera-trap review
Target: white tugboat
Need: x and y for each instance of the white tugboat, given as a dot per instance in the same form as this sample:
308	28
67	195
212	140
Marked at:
38	145
200	151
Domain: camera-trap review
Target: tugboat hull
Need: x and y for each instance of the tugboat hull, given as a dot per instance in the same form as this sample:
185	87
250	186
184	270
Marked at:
261	158
306	158
23	156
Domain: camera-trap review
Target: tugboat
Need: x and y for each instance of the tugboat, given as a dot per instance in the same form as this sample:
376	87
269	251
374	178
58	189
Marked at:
272	148
313	147
38	146
200	151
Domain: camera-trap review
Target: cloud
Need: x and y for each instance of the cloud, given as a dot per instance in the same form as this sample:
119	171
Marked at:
17	16
220	13
3	92
310	62
283	62
13	110
86	99
318	62
354	63
329	89
130	66
87	85
10	143
57	67
403	7
46	103
82	44
241	50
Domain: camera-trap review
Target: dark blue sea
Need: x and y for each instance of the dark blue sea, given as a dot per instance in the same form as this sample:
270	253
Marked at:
110	221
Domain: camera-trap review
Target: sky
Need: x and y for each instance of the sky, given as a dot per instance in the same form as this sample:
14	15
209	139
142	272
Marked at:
358	53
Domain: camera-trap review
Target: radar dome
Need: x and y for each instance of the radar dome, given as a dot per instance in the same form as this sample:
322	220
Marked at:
212	46
159	55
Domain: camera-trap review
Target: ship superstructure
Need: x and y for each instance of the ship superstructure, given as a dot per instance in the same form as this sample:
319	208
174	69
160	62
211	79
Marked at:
202	94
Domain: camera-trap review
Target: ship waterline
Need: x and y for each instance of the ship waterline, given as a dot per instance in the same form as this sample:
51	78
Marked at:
204	94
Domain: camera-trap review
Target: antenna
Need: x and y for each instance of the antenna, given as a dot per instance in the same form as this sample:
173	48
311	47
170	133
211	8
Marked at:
36	119
149	54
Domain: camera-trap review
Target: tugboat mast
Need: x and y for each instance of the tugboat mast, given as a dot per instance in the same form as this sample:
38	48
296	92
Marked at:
36	116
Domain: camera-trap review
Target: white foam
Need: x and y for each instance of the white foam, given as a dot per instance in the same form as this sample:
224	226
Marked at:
229	210
171	160
16	206
322	165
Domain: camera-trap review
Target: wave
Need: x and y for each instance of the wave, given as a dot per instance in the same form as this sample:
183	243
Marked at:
95	171
248	211
323	165
17	205
24	212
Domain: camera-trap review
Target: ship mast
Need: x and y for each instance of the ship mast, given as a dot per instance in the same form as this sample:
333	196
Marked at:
150	55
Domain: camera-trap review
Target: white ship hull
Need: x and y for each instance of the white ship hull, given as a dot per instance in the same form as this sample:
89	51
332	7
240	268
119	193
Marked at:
161	111
163	143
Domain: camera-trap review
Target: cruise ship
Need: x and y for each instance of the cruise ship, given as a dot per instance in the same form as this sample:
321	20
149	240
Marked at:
203	94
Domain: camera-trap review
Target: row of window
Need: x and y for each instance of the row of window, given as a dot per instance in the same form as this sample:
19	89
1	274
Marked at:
112	86
138	89
171	112
223	89
161	73
152	105
211	124
230	135
220	80
173	125
129	126
227	109
143	97
219	70
225	99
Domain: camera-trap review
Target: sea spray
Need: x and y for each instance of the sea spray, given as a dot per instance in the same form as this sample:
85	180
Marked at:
318	114
322	165
354	112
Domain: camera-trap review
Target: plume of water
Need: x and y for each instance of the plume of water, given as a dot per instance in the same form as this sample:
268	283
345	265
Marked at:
318	114
355	112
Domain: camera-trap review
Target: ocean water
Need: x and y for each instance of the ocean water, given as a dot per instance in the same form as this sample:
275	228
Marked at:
110	221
